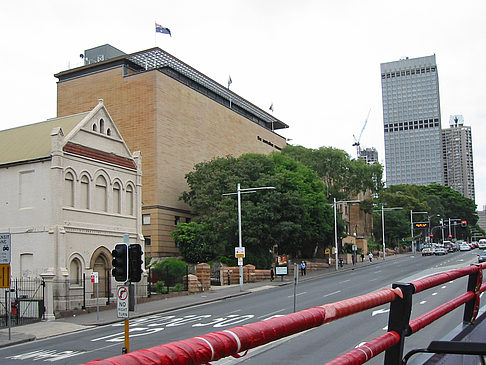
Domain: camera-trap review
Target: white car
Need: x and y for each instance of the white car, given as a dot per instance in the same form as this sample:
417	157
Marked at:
482	243
464	247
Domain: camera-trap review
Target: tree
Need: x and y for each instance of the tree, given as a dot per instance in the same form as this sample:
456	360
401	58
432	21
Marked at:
294	216
196	242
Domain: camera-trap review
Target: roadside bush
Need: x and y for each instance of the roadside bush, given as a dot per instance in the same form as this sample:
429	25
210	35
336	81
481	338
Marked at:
171	271
160	287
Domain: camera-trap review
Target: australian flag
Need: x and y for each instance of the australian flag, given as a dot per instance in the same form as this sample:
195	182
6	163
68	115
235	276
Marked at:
161	29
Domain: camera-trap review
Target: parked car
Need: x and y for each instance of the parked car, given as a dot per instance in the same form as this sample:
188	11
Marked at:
464	247
427	251
482	257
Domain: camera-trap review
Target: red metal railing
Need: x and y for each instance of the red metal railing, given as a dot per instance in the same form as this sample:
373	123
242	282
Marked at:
231	342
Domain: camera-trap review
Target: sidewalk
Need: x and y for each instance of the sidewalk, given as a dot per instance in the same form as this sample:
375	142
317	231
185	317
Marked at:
44	329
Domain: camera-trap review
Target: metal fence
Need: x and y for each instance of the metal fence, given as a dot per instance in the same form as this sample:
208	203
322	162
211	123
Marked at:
26	302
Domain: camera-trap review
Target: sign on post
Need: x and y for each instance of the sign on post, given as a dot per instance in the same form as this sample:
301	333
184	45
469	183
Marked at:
5	276
122	301
94	277
239	252
5	244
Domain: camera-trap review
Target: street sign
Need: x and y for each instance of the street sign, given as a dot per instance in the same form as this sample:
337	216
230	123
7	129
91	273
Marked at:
5	276
122	301
240	261
5	244
239	252
355	248
94	277
328	251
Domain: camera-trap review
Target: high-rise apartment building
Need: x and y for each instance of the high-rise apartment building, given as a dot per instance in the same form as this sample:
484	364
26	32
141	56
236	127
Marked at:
412	124
457	157
370	155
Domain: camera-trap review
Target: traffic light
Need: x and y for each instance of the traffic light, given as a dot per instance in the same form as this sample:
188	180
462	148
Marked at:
463	223
120	262
135	262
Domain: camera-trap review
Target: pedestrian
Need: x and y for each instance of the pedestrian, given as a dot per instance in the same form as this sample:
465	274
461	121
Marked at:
362	257
370	255
302	268
305	268
271	274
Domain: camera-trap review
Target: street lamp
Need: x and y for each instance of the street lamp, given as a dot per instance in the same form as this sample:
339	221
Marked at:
240	191
411	227
336	256
383	225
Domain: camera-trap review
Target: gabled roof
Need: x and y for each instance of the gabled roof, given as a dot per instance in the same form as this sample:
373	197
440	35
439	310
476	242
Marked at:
33	142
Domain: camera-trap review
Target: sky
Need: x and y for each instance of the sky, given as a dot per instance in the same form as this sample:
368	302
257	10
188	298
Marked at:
317	61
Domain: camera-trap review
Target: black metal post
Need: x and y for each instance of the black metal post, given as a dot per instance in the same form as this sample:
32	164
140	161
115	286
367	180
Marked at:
398	321
471	307
186	286
149	283
84	291
167	278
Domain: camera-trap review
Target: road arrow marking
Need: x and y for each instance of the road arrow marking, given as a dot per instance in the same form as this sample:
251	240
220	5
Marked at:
379	311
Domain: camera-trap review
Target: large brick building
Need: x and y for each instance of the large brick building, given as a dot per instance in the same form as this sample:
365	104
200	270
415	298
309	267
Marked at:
175	116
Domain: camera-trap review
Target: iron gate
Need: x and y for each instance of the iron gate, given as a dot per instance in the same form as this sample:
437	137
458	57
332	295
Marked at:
26	302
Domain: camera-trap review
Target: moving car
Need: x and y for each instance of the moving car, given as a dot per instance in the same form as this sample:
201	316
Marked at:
464	247
440	251
482	244
427	251
482	257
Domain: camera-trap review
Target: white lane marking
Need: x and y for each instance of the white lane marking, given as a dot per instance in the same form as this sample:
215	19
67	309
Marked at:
423	302
434	293
379	311
329	294
271	314
238	310
344	281
291	296
443	286
385	328
376	272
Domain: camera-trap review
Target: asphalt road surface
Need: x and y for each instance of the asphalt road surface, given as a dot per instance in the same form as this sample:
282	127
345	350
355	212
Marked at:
315	346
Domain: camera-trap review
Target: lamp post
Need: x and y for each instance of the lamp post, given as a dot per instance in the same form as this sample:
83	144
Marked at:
411	226
383	225
240	191
336	255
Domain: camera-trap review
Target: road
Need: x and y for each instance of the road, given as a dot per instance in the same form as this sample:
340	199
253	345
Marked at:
315	346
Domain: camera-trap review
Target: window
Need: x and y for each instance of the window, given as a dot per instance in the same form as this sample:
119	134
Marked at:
129	200
84	199
95	128
108	132
75	272
69	190
100	194
116	198
145	219
148	240
177	220
102	126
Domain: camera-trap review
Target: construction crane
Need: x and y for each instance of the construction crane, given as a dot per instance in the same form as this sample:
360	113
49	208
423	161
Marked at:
356	141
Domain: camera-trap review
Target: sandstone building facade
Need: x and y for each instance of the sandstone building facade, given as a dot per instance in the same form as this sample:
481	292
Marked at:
177	117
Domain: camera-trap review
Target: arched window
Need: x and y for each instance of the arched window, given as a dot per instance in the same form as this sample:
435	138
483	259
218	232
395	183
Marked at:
75	272
69	190
95	127
108	132
116	198
84	197
102	126
129	200
100	194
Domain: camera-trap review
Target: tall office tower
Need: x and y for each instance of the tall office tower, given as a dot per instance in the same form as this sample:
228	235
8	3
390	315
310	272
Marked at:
411	117
370	155
457	157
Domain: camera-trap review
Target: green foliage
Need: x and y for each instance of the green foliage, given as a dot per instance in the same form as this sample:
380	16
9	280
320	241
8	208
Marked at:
169	270
177	287
294	215
343	177
160	287
196	242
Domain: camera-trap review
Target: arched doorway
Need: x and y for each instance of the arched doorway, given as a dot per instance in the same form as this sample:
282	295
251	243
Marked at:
101	263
